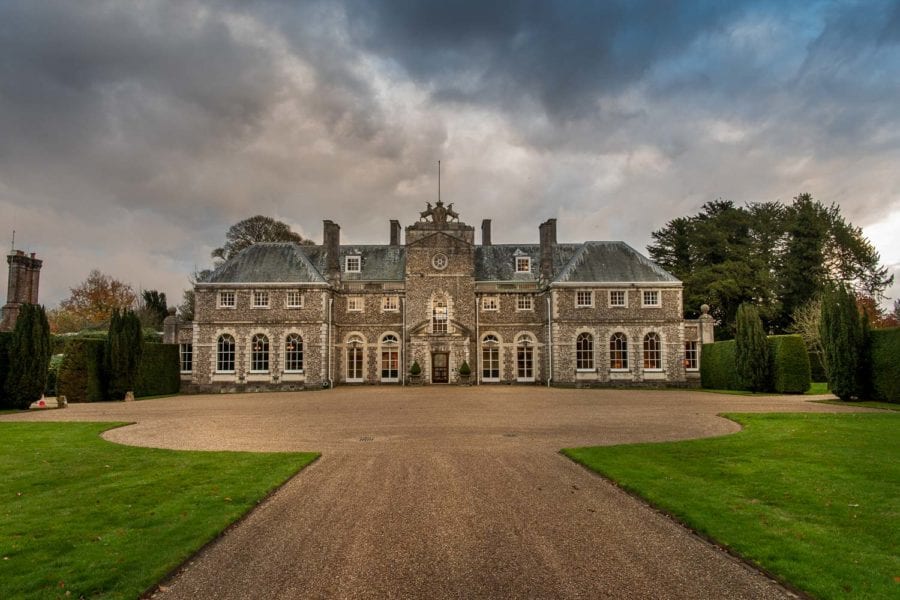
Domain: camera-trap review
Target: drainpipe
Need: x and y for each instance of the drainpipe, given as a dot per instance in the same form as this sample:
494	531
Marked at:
477	358
403	344
330	349
549	337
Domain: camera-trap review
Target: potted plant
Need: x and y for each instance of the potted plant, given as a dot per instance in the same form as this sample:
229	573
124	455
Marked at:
465	373
415	373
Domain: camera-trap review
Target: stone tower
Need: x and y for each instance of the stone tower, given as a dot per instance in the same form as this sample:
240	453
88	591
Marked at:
22	288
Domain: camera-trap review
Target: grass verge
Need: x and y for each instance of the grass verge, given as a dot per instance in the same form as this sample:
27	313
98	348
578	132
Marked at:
83	517
817	388
863	403
813	499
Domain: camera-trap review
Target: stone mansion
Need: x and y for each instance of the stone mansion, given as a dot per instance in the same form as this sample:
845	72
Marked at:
287	316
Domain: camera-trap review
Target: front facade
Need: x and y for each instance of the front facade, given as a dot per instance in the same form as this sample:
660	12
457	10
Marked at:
288	316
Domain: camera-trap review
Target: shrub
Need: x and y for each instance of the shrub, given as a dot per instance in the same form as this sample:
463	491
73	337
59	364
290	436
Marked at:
53	374
29	357
842	341
789	364
751	353
718	366
464	369
886	364
415	369
160	371
124	347
5	339
81	377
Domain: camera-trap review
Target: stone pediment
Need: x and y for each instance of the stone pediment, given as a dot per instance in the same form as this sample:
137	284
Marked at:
439	239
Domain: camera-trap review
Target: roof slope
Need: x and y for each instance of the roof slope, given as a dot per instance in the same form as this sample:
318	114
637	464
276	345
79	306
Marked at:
612	262
268	262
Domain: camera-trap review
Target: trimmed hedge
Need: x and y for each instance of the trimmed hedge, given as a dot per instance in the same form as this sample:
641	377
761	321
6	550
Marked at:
81	377
717	366
5	340
886	364
159	372
789	364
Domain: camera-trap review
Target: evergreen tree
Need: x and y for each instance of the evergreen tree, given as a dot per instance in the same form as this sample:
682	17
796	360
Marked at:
29	357
842	341
751	349
124	349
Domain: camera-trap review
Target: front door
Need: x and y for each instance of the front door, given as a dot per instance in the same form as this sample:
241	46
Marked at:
439	371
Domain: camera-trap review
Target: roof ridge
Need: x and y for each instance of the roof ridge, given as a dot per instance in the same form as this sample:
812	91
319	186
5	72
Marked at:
566	271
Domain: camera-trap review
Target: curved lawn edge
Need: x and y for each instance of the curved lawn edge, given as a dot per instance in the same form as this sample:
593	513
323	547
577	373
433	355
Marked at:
206	547
805	498
94	517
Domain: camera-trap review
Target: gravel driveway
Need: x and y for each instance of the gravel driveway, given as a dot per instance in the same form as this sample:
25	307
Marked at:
446	492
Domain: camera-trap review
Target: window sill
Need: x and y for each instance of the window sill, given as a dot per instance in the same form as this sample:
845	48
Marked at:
653	370
585	370
620	370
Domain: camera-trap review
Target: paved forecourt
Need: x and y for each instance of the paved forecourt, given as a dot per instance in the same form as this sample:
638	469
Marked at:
446	492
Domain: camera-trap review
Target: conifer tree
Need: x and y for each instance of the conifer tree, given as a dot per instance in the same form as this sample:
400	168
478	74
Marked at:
29	357
751	349
124	349
842	341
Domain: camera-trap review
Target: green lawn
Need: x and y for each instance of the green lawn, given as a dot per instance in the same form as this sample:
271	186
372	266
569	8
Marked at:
818	388
812	498
81	515
863	403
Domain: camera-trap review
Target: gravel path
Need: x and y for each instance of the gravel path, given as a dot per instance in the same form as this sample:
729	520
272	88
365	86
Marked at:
447	492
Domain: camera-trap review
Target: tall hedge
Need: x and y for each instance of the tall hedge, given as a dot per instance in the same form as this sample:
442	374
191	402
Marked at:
81	374
5	339
751	350
886	364
160	371
718	366
29	357
843	341
789	364
124	349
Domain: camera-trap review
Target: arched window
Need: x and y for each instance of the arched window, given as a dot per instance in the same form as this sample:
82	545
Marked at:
652	354
390	358
225	354
259	354
584	352
524	359
439	316
293	353
618	351
490	358
355	346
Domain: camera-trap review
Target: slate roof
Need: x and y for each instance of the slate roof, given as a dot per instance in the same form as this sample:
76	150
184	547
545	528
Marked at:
271	262
611	262
590	262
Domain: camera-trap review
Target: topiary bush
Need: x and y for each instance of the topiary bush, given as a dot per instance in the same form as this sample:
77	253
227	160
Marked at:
464	369
160	371
751	351
886	364
81	377
415	369
789	364
718	368
29	357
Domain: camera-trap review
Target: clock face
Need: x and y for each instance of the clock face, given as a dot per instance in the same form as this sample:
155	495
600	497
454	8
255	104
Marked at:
439	261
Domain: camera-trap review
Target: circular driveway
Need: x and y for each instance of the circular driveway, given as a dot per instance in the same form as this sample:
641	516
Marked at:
446	492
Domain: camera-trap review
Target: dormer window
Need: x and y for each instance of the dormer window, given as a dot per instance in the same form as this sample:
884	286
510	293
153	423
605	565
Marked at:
353	264
523	264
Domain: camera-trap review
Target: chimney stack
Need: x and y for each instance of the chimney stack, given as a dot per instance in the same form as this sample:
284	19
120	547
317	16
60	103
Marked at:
547	232
395	232
331	240
486	232
23	283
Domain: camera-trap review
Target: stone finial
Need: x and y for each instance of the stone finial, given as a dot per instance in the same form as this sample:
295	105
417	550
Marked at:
704	309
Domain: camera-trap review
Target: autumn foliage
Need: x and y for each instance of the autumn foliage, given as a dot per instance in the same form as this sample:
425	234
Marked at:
91	303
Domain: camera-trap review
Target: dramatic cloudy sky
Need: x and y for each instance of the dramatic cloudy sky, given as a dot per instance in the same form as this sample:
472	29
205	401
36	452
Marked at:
132	134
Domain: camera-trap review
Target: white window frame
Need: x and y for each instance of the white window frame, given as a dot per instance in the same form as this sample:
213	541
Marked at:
295	350
355	304
232	353
390	345
654	354
524	302
355	258
527	262
624	303
287	299
186	349
579	304
390	303
524	344
644	299
696	352
585	356
261	355
490	342
256	295
490	303
222	295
